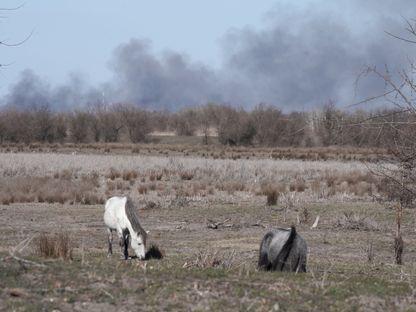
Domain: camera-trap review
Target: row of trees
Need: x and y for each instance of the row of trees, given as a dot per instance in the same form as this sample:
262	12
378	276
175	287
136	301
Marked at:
264	125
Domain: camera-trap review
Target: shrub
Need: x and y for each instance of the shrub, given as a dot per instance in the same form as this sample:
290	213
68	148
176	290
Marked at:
351	221
207	259
129	175
272	196
113	174
272	192
186	175
142	189
54	246
45	189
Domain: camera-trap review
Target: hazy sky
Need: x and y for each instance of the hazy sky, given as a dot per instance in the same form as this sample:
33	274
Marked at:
169	54
74	35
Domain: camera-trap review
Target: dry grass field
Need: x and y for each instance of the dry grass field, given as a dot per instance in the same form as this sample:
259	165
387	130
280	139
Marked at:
208	215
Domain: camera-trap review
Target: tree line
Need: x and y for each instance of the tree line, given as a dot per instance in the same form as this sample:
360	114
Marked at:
264	125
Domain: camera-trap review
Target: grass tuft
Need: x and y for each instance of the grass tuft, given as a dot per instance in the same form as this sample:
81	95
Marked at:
56	246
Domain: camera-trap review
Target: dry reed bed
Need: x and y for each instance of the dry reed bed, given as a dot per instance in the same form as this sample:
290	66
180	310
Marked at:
71	175
38	164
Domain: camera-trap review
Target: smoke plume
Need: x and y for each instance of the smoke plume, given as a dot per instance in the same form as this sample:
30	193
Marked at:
303	56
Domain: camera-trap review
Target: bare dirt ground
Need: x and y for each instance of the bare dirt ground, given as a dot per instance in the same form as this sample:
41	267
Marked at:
205	268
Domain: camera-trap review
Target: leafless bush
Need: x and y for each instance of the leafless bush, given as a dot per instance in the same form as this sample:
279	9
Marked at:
185	122
152	186
289	201
180	200
129	175
232	186
155	175
304	215
65	174
46	189
111	123
272	196
269	123
79	126
235	127
91	178
150	205
298	186
54	246
122	186
142	189
186	175
88	198
272	192
6	199
136	122
113	174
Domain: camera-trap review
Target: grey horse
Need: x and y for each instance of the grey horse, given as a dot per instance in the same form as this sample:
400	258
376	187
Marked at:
283	250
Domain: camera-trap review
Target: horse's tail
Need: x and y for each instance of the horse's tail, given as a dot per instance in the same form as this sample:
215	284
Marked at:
264	262
280	261
131	214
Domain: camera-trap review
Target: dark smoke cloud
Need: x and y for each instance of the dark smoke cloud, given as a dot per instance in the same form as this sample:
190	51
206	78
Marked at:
304	56
31	91
167	81
308	56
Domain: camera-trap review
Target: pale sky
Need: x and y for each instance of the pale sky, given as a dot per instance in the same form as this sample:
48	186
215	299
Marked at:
74	35
170	54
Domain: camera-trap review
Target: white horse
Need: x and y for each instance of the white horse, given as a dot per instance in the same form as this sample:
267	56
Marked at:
120	215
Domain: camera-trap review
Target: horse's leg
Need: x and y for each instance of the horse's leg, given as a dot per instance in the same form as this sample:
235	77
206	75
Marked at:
124	242
110	242
126	238
121	241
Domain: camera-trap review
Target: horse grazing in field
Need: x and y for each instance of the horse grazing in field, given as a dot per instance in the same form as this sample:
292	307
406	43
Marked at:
283	250
120	215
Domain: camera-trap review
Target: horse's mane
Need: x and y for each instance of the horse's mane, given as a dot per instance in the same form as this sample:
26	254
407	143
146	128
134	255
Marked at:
131	212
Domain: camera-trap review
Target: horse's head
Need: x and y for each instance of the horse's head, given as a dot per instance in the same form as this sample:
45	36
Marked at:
138	243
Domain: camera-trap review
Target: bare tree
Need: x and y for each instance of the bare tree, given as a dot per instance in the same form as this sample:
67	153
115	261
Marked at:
235	127
7	43
330	124
60	127
185	122
400	181
43	124
269	124
111	123
136	122
208	117
79	126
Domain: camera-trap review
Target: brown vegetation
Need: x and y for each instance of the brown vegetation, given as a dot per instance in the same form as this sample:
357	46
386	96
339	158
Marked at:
54	246
209	259
272	192
26	189
263	126
351	221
